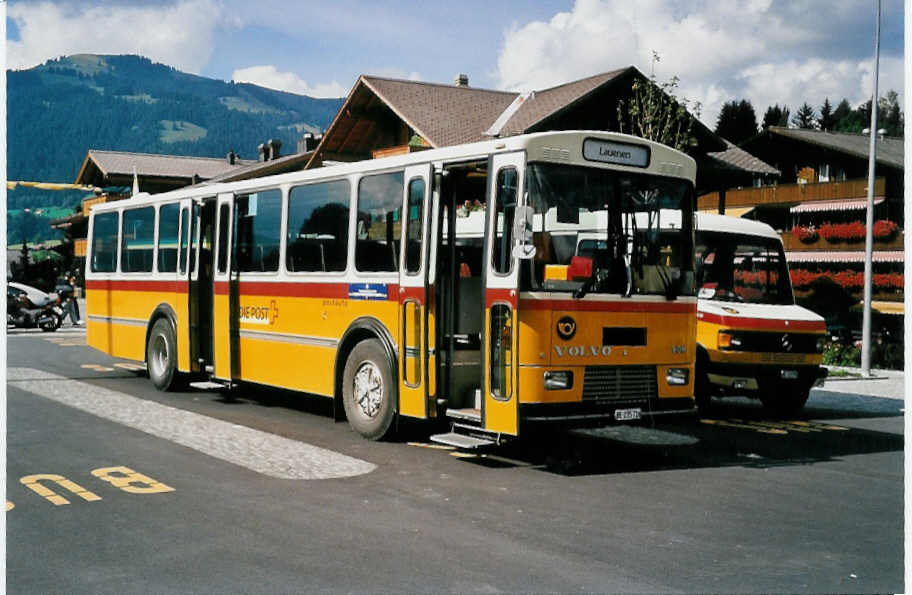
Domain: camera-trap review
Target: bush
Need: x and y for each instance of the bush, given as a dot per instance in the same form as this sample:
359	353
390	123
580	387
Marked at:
884	229
838	354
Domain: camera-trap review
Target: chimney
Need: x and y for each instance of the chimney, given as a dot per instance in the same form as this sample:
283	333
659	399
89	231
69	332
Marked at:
308	142
461	80
261	149
231	157
274	148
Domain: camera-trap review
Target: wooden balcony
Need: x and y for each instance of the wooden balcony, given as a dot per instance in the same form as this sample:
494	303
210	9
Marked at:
793	244
790	194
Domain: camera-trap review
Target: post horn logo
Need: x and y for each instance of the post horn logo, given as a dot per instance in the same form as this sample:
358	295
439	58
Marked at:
566	328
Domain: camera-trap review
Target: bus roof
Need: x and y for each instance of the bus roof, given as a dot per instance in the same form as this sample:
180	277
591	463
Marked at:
721	223
565	147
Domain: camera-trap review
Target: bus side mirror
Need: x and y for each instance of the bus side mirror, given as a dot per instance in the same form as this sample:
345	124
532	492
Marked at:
523	247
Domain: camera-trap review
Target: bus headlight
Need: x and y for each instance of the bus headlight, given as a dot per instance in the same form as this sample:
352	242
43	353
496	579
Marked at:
561	380
677	376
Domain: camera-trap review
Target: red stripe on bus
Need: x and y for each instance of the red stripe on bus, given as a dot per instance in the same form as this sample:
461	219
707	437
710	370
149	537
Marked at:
500	295
763	323
616	306
411	293
136	285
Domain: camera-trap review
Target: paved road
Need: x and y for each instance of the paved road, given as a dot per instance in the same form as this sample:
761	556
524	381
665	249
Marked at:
262	492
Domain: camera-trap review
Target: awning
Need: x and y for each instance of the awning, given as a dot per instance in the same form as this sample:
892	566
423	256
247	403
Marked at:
846	204
730	211
888	307
854	256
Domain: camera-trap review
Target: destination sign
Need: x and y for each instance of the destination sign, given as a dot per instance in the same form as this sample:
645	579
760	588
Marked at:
613	152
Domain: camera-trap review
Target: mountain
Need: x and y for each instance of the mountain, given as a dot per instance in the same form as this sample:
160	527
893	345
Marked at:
59	110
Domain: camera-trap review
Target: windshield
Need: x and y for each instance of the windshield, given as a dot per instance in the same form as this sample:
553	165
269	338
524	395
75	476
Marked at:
606	231
740	268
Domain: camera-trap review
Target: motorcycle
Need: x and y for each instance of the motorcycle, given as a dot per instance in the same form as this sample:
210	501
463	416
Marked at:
27	307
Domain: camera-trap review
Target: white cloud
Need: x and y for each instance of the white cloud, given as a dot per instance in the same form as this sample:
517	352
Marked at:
178	34
270	76
721	50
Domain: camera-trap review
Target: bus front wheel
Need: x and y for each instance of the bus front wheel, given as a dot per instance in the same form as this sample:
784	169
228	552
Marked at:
368	391
161	355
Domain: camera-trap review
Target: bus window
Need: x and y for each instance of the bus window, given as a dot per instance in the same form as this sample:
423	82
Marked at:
184	243
259	231
104	243
413	236
168	218
317	237
379	228
505	204
136	240
224	213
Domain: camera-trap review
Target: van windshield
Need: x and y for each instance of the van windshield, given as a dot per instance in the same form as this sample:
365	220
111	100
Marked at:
742	268
607	231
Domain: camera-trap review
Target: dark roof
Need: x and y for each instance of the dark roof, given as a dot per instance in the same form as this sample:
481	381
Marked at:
258	169
889	149
443	115
540	105
738	159
113	165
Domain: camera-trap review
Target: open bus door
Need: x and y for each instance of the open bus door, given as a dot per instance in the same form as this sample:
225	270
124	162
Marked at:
500	372
224	294
413	293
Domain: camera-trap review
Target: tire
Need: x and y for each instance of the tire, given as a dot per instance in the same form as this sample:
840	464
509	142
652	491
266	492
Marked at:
161	355
52	325
785	400
702	394
368	392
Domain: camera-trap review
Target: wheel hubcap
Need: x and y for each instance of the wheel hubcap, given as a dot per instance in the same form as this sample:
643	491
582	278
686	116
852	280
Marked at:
158	356
368	388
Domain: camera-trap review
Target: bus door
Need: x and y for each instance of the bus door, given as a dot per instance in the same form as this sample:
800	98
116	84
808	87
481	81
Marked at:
413	293
224	293
201	265
500	405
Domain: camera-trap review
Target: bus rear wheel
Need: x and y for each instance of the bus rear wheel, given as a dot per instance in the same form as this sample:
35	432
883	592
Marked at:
368	390
161	355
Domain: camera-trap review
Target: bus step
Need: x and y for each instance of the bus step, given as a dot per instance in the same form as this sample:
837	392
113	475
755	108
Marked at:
465	414
207	385
462	441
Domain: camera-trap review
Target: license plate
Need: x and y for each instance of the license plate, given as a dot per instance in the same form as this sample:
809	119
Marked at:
627	414
790	374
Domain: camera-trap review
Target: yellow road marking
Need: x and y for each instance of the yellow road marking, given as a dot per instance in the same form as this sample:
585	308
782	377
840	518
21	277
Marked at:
431	446
9	506
33	483
130	366
125	479
96	368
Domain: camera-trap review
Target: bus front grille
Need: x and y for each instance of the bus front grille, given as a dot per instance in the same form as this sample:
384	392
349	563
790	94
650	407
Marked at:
619	383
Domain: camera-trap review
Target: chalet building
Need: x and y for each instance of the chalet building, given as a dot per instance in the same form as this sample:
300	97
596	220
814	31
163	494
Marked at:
383	116
820	208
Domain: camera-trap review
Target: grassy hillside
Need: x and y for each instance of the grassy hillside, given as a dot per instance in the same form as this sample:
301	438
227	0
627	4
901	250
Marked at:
59	110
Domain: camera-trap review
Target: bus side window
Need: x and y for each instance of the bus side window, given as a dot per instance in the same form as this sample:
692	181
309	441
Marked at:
168	218
224	213
104	243
137	235
317	236
259	231
505	203
379	227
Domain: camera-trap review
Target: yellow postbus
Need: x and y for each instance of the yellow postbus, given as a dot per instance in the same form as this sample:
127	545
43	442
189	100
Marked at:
752	339
448	283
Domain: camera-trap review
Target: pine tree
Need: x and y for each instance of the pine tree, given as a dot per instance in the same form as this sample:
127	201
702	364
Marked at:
776	116
804	117
737	121
826	121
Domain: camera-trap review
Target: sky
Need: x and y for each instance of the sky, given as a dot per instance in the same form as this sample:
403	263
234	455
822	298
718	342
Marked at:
767	51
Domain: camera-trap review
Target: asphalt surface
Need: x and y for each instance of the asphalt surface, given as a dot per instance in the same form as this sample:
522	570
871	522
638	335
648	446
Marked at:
259	491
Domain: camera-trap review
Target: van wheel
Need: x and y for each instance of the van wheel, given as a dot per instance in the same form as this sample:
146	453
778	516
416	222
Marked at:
368	392
161	355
